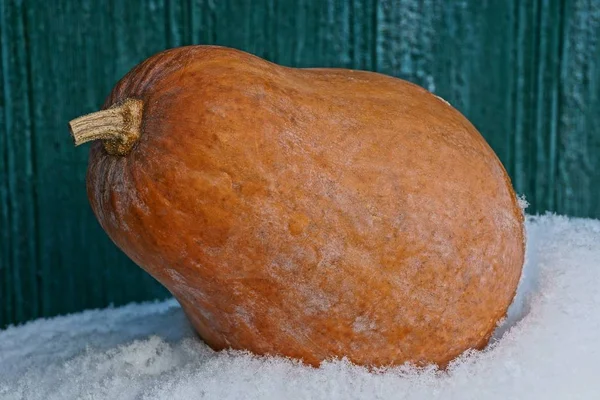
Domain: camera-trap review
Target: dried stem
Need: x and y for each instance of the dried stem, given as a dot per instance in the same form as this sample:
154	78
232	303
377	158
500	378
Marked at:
118	127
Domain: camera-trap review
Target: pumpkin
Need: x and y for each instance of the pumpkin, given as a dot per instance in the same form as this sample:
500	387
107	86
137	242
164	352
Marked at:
307	213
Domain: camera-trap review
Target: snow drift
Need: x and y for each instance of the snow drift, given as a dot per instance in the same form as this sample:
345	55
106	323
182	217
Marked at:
546	348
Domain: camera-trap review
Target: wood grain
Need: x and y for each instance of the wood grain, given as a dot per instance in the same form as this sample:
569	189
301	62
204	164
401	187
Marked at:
579	119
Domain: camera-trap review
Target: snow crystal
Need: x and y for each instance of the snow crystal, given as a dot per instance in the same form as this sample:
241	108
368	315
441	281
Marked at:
546	348
442	99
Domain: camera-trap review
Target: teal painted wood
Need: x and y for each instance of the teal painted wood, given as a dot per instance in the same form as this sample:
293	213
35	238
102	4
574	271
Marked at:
20	298
579	111
5	229
82	268
527	74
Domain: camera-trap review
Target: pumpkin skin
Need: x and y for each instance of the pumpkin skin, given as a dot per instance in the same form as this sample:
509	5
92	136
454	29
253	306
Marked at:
311	213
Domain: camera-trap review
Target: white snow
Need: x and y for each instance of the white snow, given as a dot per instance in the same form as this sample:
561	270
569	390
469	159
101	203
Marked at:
548	348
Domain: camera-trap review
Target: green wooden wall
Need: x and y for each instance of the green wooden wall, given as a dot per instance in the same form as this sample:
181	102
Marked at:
526	72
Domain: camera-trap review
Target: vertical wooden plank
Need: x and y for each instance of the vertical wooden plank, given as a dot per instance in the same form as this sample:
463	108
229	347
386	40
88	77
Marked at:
178	23
21	285
579	102
543	166
335	45
62	89
203	21
290	22
140	30
363	31
299	33
524	92
537	68
5	228
97	45
231	25
405	38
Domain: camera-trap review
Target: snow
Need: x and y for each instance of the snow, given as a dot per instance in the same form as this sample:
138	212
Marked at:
547	348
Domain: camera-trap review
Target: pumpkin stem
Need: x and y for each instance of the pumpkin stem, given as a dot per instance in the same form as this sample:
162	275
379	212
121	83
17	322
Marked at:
118	127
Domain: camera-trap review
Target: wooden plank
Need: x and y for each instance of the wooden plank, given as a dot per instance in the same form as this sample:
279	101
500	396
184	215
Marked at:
335	45
178	23
5	225
543	166
202	21
405	35
63	89
578	103
20	257
96	48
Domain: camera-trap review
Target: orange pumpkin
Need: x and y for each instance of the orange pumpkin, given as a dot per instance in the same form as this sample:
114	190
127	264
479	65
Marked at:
310	213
